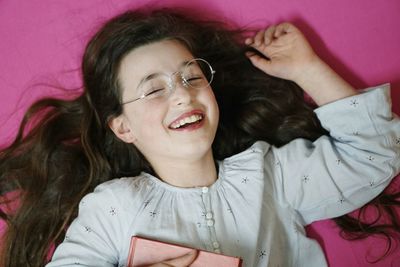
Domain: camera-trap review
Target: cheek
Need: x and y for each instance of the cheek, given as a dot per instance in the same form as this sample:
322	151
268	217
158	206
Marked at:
149	122
209	98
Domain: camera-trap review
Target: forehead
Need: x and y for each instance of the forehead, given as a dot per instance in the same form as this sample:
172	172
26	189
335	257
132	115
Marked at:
160	57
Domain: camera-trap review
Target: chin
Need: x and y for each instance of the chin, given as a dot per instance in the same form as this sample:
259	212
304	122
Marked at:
196	149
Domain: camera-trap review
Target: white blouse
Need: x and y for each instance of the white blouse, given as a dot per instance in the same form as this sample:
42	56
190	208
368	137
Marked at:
261	201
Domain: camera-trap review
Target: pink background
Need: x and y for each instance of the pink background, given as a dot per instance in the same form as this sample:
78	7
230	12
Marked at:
41	42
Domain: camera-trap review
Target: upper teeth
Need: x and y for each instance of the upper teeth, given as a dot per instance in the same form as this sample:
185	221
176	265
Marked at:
186	120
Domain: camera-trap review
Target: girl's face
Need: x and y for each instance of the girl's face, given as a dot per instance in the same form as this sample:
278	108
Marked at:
152	124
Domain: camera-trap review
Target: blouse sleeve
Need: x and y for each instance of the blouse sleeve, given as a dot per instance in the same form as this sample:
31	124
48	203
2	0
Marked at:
93	237
339	173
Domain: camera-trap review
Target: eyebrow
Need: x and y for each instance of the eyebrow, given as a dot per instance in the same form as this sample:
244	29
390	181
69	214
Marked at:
156	74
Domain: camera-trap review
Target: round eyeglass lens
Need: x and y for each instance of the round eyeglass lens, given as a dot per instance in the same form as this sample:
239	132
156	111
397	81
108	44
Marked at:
198	73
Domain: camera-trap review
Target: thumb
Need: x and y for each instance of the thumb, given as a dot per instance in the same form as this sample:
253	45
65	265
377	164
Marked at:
184	260
259	62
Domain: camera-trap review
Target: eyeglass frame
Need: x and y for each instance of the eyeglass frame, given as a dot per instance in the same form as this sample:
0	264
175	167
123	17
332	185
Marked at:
172	83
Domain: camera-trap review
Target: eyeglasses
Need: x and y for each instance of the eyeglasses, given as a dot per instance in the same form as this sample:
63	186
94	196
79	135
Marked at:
196	73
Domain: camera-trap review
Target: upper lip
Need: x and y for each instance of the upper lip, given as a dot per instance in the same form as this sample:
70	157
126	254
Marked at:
187	114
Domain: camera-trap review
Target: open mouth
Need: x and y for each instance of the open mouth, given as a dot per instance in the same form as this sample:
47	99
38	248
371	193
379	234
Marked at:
187	122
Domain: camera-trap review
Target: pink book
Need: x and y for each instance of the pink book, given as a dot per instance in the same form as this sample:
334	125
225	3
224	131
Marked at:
145	251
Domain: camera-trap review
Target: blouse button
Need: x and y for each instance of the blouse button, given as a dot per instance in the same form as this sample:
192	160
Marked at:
210	222
209	215
204	190
215	244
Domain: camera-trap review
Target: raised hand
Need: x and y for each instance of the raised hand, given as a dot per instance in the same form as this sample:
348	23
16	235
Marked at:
287	51
288	55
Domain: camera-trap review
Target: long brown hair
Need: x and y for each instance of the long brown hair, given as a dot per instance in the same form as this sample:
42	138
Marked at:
64	148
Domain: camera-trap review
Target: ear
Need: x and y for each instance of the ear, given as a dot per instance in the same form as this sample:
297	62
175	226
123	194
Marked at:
120	126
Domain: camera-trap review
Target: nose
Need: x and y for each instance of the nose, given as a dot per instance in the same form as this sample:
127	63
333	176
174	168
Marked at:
180	91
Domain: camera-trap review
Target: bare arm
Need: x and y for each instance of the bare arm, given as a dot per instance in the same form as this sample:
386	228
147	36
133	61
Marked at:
290	56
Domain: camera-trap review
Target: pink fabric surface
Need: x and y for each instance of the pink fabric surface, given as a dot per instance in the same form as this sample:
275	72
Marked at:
41	44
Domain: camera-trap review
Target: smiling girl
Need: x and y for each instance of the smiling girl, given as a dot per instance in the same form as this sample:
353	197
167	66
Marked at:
173	125
210	140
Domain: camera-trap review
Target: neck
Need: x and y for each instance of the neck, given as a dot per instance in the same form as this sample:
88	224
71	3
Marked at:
188	173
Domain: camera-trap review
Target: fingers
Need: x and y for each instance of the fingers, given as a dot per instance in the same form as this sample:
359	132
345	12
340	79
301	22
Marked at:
257	39
265	37
182	261
283	28
269	34
259	62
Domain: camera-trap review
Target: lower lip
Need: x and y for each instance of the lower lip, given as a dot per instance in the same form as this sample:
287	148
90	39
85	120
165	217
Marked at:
191	127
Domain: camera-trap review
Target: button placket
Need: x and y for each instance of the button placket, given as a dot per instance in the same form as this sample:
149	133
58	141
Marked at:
210	220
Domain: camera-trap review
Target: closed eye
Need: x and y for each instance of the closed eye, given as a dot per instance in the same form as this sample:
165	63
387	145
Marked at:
196	81
155	91
194	78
